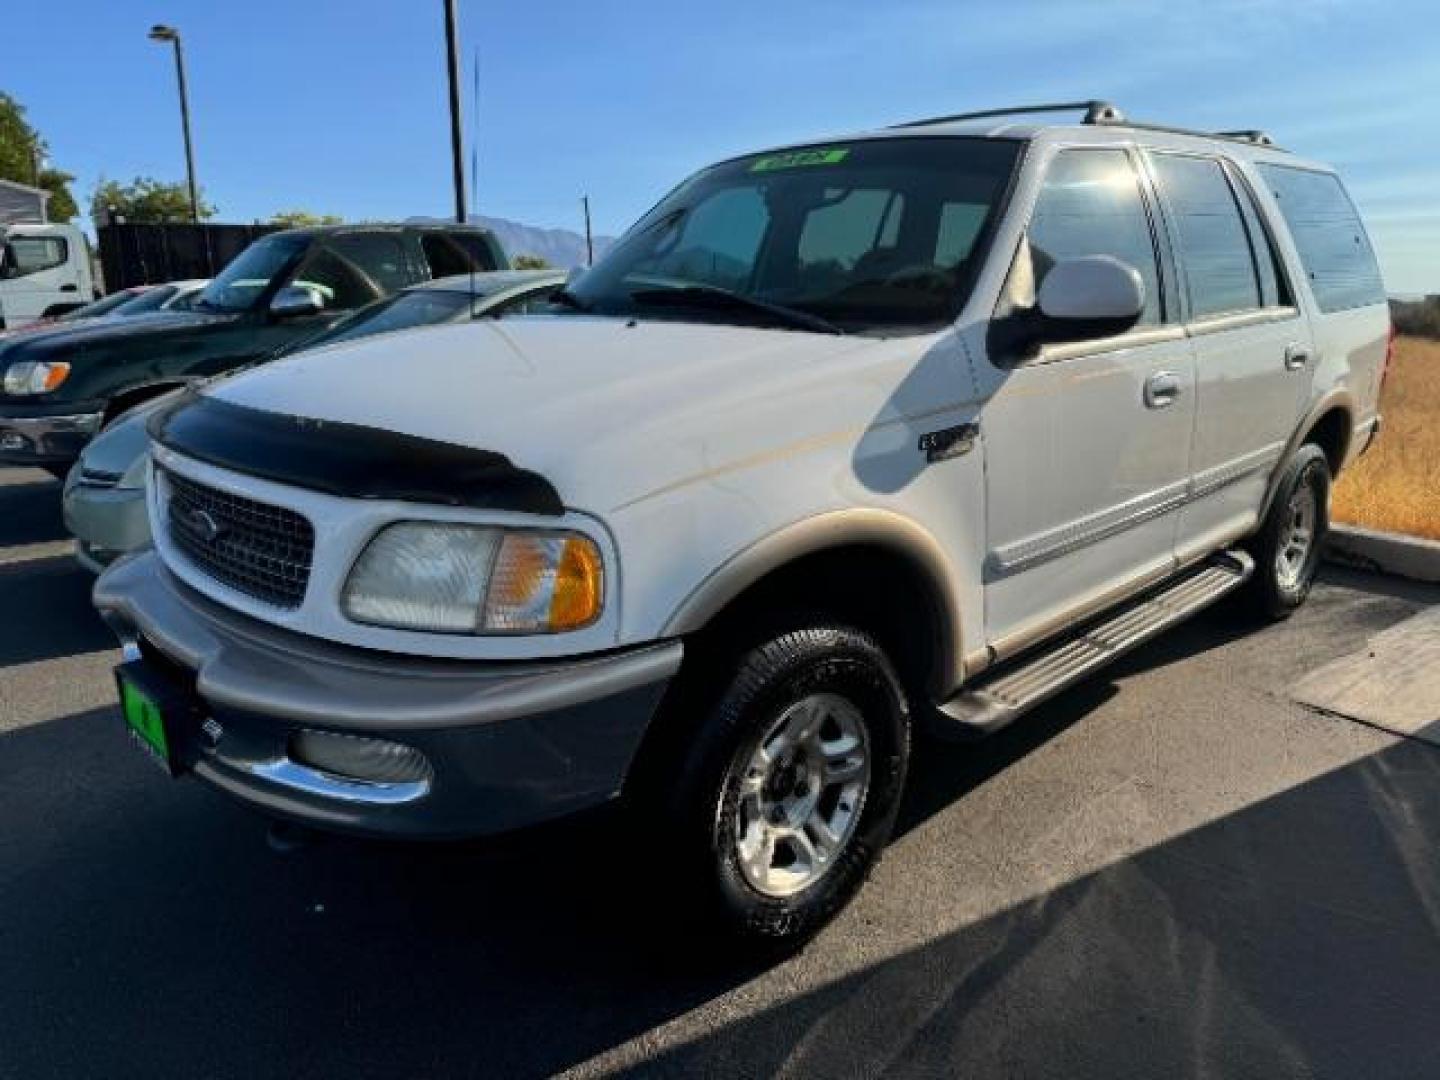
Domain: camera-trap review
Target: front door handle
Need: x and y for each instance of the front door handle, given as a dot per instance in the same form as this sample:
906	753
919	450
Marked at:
1161	390
1297	355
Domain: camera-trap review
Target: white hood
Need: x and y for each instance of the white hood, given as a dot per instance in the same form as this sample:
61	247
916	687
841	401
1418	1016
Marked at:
607	410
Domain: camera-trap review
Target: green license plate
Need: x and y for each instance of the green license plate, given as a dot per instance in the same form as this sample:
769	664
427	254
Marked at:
146	723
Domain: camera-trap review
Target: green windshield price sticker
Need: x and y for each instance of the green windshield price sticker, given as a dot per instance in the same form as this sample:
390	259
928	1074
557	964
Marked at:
799	159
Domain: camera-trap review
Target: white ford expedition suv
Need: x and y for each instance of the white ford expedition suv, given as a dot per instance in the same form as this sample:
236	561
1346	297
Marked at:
910	429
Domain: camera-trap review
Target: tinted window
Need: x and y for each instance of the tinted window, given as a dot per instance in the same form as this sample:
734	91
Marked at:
851	233
1213	244
241	283
423	307
104	306
457	253
341	282
1334	249
149	300
1274	290
379	255
32	254
1091	204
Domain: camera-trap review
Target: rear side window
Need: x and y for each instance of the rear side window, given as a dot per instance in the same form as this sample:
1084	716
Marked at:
1091	205
1214	245
1334	249
456	253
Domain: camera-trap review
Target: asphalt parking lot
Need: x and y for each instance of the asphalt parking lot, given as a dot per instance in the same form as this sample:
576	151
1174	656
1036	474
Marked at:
1172	870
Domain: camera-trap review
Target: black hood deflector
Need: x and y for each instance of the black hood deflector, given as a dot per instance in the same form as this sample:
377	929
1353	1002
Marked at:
348	460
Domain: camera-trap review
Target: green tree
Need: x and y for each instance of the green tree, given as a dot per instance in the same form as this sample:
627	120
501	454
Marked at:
303	219
22	151
529	262
146	199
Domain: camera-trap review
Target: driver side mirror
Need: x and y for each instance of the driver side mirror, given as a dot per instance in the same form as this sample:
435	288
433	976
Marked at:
296	302
1093	296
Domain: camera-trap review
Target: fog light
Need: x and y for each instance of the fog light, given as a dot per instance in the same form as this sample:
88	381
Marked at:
350	757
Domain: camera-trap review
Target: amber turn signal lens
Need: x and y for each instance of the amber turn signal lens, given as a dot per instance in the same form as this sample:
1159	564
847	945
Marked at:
52	375
544	582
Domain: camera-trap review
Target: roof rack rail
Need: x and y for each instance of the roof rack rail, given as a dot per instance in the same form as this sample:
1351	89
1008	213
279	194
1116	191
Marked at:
1100	114
1259	138
1096	112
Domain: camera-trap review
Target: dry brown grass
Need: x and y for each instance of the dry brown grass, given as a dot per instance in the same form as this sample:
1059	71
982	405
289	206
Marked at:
1396	486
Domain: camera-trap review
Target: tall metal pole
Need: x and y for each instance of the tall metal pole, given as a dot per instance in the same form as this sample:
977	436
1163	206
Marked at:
185	123
170	34
589	243
452	60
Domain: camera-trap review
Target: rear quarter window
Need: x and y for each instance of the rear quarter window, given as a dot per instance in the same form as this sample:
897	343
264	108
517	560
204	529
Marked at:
1334	251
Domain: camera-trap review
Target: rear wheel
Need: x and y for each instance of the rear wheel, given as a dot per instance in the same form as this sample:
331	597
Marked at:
1288	546
787	793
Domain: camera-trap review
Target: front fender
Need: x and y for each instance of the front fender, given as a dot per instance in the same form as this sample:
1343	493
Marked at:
840	528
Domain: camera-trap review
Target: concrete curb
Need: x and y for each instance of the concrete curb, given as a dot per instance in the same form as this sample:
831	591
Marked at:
1388	553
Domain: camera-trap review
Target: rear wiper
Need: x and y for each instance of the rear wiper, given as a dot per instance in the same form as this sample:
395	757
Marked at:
697	295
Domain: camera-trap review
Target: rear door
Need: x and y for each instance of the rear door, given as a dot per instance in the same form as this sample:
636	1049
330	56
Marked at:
1086	444
1253	355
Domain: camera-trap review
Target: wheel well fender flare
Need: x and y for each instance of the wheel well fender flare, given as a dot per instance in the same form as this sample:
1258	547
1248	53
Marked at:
1337	402
892	533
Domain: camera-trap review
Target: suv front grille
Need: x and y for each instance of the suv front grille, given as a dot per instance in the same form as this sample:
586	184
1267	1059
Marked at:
260	550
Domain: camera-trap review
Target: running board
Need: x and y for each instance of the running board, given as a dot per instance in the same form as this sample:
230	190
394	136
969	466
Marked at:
996	700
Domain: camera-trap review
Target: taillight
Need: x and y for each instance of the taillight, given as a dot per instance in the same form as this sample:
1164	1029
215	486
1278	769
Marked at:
1389	356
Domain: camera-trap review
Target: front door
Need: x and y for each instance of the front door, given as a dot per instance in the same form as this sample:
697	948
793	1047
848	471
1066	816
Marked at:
1087	444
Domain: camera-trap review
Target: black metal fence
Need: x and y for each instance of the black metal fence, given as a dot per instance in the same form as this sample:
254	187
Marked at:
150	253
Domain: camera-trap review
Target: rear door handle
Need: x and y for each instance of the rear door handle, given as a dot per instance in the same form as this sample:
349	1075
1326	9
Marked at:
1297	355
1161	390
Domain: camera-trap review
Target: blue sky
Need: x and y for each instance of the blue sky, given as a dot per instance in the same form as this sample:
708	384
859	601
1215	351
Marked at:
338	105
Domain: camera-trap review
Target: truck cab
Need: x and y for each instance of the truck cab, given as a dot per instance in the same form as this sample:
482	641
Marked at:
45	270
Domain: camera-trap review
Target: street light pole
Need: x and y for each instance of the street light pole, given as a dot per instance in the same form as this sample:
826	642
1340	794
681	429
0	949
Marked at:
452	62
170	34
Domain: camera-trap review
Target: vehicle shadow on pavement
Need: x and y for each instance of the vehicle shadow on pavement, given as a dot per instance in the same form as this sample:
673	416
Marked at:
47	613
149	930
30	512
1297	936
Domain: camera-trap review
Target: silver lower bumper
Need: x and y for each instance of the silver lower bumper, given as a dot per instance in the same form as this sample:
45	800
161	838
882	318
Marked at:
510	744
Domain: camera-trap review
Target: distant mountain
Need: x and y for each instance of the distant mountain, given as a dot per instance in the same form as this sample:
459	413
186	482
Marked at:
559	247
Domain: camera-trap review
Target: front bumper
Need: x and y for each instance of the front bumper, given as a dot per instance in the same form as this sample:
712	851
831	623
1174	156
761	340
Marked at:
510	744
107	521
46	440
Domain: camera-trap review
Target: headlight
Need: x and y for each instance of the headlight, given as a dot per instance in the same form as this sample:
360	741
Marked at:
32	377
467	579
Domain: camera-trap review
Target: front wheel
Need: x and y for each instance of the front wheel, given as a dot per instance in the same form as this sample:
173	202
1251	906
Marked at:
1288	546
789	790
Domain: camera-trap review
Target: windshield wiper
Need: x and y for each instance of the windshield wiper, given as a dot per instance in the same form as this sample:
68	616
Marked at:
568	299
696	295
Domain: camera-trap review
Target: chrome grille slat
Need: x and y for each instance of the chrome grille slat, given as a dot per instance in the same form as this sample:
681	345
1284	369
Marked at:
260	550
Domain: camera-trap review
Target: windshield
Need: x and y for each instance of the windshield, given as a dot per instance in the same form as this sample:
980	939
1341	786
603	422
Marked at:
879	235
240	284
403	311
149	300
107	305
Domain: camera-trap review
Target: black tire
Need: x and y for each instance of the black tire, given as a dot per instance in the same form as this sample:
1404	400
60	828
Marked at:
1274	594
745	701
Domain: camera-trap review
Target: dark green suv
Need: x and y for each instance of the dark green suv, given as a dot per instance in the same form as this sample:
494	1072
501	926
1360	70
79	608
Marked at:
58	388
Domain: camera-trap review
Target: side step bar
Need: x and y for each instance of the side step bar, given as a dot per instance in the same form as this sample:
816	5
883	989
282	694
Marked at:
1019	686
